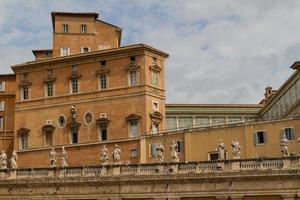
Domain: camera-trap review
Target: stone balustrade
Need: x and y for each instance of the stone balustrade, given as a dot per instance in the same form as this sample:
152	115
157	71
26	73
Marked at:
155	168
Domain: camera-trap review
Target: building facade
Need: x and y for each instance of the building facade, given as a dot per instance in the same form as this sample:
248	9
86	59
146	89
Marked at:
88	91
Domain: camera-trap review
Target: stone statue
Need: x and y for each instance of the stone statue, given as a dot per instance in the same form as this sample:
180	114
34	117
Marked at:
221	150
236	149
160	153
284	146
3	158
104	155
63	158
117	154
174	148
74	112
53	158
13	160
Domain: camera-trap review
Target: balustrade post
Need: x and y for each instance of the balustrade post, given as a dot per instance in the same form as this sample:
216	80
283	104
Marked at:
198	169
116	169
103	170
51	173
286	163
173	168
160	169
235	165
221	165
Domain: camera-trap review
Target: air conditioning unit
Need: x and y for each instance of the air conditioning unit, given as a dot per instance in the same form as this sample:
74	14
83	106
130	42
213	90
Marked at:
49	122
102	115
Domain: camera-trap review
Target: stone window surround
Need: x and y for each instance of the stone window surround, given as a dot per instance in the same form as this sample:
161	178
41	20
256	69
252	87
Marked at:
58	122
84	118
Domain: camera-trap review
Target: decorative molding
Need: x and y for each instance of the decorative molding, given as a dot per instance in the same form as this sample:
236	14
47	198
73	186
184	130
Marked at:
23	131
74	75
74	124
48	128
155	68
133	117
25	82
50	78
132	66
102	121
156	116
102	70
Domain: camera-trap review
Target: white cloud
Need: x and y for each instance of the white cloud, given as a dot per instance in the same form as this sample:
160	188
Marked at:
221	51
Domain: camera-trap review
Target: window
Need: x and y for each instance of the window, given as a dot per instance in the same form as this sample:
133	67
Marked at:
155	105
2	86
74	135
74	67
102	81
133	128
49	89
1	123
103	62
218	120
171	123
85	49
179	146
155	78
260	137
153	152
133	153
154	60
50	72
103	131
49	138
132	58
65	28
132	77
24	141
24	92
155	128
88	118
64	51
201	121
2	106
74	85
83	28
214	156
61	121
185	122
289	133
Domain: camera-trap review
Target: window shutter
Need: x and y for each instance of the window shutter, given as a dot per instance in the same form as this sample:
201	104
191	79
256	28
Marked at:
292	133
265	137
3	86
68	51
255	138
282	133
1	123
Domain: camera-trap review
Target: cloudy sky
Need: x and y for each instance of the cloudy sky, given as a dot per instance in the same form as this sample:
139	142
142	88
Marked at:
220	51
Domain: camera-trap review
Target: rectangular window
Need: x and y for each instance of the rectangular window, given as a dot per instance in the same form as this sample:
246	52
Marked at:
218	120
132	77
1	123
24	141
133	153
154	60
201	121
260	137
65	28
153	152
103	132
49	88
185	122
74	86
214	156
232	120
2	106
103	81
64	51
2	86
83	28
49	138
85	49
74	136
289	133
171	123
24	92
155	128
133	128
155	78
179	146
155	105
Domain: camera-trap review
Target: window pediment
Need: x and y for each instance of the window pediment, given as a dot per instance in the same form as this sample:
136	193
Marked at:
132	66
74	124
102	70
102	121
156	116
24	82
75	75
50	79
155	68
133	117
48	128
23	131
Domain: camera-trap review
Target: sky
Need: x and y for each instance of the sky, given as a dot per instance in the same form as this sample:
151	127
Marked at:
220	51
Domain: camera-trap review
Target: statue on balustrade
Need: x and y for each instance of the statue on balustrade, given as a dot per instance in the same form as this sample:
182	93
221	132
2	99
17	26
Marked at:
117	154
160	153
13	160
104	155
236	149
74	112
3	158
174	149
284	146
63	158
53	158
221	150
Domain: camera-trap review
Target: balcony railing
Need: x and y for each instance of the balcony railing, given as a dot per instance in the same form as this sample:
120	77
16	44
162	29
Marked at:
202	167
